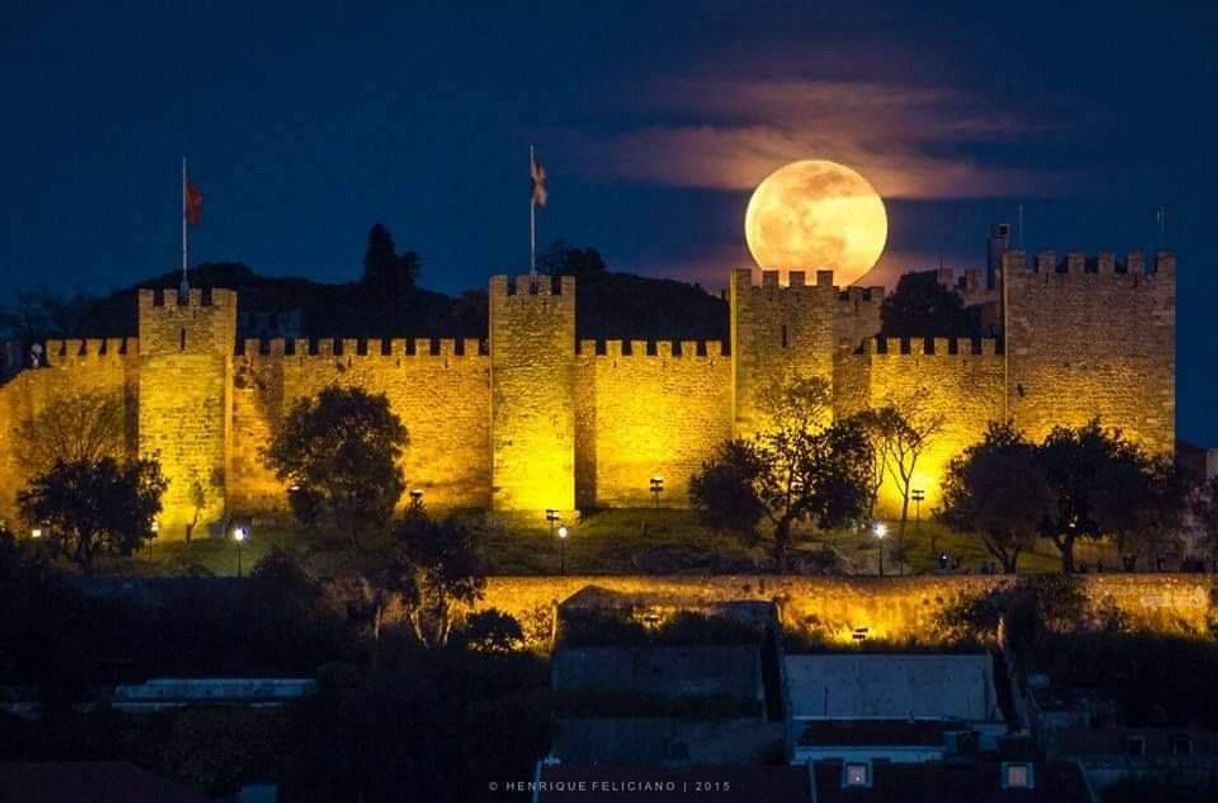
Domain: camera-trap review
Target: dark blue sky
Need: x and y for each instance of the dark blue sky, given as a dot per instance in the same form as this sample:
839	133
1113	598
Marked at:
306	122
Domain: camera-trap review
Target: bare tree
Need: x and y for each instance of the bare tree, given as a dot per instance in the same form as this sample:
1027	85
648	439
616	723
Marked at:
77	427
903	430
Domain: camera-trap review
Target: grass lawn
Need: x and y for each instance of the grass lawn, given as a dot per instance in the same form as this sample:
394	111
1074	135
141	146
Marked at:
618	541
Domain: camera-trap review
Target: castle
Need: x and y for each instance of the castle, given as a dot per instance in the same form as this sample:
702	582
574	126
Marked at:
530	419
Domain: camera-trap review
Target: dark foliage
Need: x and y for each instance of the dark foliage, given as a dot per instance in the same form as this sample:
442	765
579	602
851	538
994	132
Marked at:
921	307
341	451
90	508
996	489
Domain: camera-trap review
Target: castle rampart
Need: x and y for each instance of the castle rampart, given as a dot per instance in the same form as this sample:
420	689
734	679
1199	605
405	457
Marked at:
530	419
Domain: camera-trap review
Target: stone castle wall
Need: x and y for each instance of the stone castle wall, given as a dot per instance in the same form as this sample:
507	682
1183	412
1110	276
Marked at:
1090	337
961	381
109	367
832	608
531	422
647	410
439	389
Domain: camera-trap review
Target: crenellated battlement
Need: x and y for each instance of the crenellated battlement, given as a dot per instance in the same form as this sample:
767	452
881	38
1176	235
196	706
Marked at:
1078	263
72	350
932	346
527	286
364	348
797	283
196	297
652	349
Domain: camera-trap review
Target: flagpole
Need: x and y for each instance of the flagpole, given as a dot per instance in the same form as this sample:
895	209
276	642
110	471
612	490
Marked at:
185	285
532	221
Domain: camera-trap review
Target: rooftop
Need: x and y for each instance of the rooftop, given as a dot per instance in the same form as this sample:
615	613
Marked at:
892	687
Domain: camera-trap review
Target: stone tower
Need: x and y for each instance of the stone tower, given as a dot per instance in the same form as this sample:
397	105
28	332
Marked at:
532	333
1092	336
185	400
798	329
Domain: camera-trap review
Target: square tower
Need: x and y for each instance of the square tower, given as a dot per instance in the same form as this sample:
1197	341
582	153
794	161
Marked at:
532	328
185	400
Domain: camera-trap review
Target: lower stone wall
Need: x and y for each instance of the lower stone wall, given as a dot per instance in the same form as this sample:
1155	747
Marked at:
894	608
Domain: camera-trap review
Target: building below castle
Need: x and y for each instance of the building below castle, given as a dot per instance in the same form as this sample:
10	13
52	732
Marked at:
531	419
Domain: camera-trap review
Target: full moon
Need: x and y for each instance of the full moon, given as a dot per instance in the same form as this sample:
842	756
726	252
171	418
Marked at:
816	214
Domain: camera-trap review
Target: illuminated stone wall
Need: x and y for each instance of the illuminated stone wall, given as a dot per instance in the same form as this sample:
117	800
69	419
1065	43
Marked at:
440	390
528	422
532	393
1093	337
654	412
70	367
185	398
961	381
831	608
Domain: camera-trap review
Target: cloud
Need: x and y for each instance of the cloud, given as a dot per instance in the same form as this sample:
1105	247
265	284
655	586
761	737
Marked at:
910	142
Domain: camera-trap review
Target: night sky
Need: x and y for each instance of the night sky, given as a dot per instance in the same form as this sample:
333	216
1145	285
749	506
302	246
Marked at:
306	123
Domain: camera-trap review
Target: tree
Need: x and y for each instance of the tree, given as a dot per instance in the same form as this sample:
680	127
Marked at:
903	430
997	489
723	493
78	426
440	564
563	259
493	631
798	469
384	268
921	307
1104	485
341	450
92	508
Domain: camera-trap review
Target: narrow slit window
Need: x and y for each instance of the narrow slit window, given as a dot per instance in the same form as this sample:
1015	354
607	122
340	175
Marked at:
784	335
182	340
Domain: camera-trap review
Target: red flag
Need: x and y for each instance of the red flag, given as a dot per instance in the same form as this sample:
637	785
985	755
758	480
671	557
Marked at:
194	204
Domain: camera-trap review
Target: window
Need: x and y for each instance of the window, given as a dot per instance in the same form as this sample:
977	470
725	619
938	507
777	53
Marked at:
1135	746
1017	776
856	773
784	335
1181	746
182	340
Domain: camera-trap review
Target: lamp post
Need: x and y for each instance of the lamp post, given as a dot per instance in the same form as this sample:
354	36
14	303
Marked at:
657	488
551	519
880	529
917	494
239	536
563	532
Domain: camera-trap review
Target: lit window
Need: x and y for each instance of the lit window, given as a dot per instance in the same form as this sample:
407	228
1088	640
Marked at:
1017	776
856	774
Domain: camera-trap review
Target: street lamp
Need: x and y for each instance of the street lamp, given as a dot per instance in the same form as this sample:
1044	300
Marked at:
917	494
880	529
551	519
239	536
36	532
563	532
416	498
657	488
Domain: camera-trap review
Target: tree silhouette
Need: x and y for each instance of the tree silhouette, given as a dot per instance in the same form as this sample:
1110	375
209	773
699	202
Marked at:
341	450
384	268
89	508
